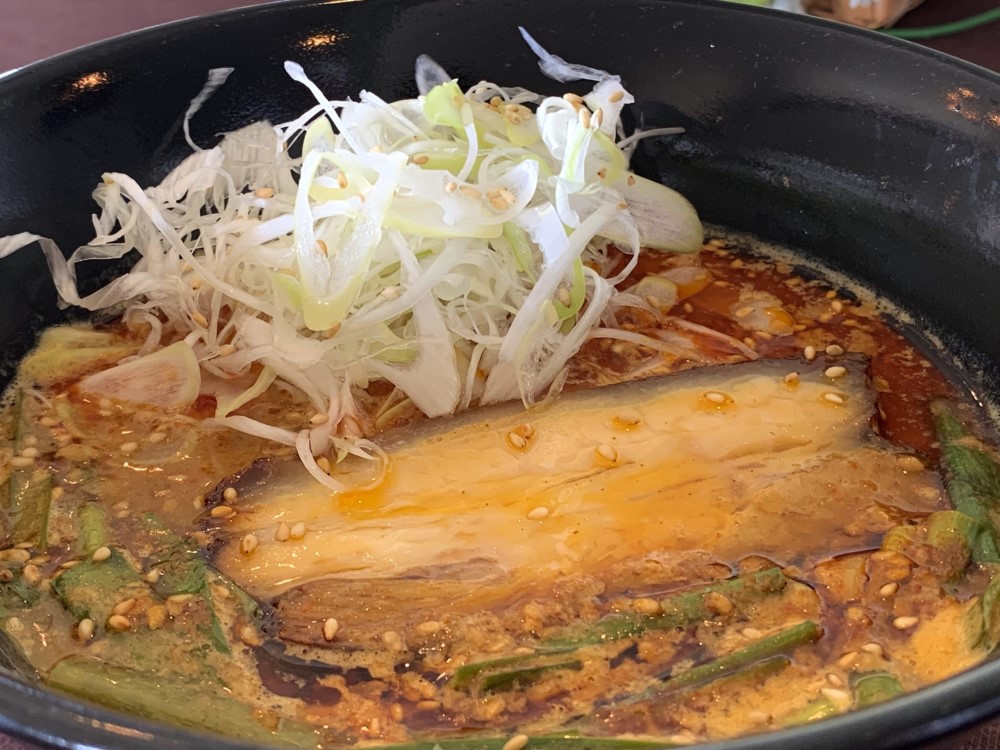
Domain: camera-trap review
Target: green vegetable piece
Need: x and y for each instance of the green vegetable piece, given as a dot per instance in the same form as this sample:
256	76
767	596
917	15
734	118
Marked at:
520	246
93	526
679	610
899	539
29	490
30	501
972	479
780	643
183	570
443	105
13	657
744	591
521	677
539	742
984	617
16	595
874	687
465	674
173	700
821	708
92	589
951	535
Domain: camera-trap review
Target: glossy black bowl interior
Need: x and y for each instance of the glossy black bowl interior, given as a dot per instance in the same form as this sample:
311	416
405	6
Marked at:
879	158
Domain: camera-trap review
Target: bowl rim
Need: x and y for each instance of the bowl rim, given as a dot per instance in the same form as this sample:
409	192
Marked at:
32	712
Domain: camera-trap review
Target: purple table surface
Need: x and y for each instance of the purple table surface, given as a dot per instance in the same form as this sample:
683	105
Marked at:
34	29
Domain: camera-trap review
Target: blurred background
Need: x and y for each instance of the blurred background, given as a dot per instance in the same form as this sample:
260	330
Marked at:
35	29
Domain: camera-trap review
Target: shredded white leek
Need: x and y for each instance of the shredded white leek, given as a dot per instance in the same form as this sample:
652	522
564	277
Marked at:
445	243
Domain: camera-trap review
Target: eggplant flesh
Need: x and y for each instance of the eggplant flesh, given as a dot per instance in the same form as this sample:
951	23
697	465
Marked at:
732	459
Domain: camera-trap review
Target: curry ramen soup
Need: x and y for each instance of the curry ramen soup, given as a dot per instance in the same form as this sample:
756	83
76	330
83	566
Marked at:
781	514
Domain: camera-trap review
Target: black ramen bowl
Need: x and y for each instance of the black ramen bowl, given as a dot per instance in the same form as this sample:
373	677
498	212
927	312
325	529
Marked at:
878	158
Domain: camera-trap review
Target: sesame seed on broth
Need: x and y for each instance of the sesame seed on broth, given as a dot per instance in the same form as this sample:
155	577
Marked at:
663	530
820	316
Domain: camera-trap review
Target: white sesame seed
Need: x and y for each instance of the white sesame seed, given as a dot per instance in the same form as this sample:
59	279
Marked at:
85	629
872	648
154	575
298	530
330	628
744	312
888	589
607	452
791	378
129	447
21	462
809	353
282	533
751	633
229	494
180	598
31	574
715	397
910	464
324	463
156	437
537	514
838	697
124	606
429	627
396	712
837	306
318	419
199	319
30	452
516	441
833	398
248	544
646	605
101	554
249	635
834	680
835	372
683	738
48	421
626	421
904	623
222	511
847	659
517	742
834	350
119	623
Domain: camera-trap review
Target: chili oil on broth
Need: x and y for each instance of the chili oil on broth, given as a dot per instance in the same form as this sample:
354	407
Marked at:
376	611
